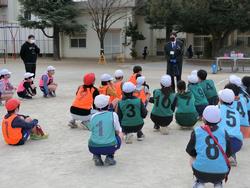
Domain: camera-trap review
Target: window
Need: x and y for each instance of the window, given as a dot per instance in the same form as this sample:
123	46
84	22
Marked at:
78	40
27	15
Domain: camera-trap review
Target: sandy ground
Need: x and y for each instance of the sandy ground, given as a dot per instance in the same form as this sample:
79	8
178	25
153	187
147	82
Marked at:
64	161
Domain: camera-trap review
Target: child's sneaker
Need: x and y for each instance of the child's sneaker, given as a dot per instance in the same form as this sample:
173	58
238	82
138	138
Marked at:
98	160
198	185
156	128
233	161
218	185
129	138
72	124
38	137
109	161
140	136
164	130
84	125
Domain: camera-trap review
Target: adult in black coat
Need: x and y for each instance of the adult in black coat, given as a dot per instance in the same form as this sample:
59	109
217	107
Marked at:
28	53
174	54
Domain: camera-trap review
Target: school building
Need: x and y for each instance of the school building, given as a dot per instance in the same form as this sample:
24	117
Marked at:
86	45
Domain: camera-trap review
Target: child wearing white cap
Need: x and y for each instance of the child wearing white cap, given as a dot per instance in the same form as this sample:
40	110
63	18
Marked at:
119	74
186	115
108	88
106	133
6	88
27	89
47	84
131	112
241	106
163	99
209	148
230	121
142	90
208	87
199	95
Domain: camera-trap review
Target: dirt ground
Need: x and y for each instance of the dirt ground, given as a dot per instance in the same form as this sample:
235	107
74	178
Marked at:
63	160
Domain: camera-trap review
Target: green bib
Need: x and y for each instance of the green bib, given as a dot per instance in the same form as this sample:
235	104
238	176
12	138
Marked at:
185	103
131	112
102	130
196	90
162	108
208	88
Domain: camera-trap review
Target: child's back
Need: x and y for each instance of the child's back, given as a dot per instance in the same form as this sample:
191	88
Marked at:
197	91
210	91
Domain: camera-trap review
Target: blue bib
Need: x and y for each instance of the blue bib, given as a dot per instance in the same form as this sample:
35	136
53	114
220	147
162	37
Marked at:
241	107
209	158
230	121
102	130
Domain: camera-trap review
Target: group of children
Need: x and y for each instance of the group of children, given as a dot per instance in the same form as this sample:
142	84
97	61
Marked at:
16	128
118	108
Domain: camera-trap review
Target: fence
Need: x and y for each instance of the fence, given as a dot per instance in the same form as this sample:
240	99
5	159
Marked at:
12	36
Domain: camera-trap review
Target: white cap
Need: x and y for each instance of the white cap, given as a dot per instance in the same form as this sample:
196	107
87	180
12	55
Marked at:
101	101
119	73
166	80
51	68
233	79
5	72
28	75
128	87
106	78
226	95
193	78
140	80
212	114
194	72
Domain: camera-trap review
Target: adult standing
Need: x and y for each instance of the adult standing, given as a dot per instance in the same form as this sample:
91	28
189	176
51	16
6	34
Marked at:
28	53
174	54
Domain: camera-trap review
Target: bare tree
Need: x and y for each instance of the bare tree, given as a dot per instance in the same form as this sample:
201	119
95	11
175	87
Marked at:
104	13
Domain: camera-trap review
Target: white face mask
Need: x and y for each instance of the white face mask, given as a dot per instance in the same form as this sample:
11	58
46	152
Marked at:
32	41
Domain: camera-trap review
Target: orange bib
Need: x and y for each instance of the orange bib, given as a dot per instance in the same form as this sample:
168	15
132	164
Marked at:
84	99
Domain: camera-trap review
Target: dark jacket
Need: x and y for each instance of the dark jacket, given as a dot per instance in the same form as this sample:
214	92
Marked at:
178	56
29	52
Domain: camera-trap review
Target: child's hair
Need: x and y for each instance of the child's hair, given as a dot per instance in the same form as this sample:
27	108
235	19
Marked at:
128	94
1	76
166	92
210	124
137	69
202	74
104	83
119	78
13	111
234	88
137	76
181	85
246	83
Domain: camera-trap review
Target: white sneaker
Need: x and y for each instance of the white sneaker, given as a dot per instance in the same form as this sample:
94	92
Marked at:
164	130
84	125
218	185
198	185
72	124
129	138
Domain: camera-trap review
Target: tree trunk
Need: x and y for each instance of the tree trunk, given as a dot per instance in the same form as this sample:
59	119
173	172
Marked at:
101	45
216	45
56	44
168	32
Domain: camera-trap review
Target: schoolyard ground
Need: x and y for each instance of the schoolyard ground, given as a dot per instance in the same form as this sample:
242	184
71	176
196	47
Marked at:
63	160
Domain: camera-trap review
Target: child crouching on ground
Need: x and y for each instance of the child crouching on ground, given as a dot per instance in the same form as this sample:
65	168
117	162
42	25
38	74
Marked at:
47	84
106	133
230	121
131	112
246	85
6	88
209	148
17	129
163	99
142	90
186	115
241	106
26	88
118	83
82	107
200	98
137	71
208	87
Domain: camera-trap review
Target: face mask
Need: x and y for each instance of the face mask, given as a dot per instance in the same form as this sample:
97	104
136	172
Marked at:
172	39
32	41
